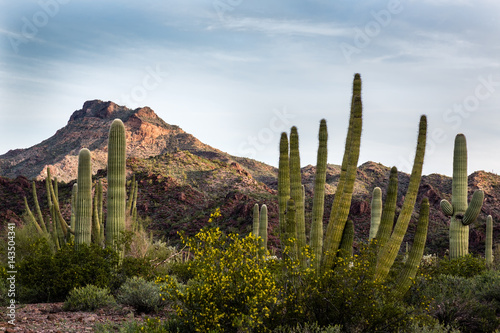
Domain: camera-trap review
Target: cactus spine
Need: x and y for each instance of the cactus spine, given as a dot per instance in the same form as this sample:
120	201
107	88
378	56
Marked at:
376	212
417	250
461	214
83	217
488	253
115	223
343	195
389	251
319	196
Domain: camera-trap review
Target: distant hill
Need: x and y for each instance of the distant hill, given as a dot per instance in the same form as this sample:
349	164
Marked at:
181	180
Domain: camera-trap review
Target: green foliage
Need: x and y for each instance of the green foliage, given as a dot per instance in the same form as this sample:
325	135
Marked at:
308	328
88	298
143	296
231	290
465	266
44	276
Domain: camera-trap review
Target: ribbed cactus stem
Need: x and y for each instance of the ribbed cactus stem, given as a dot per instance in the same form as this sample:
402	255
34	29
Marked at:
256	220
339	213
388	253
131	195
488	252
346	250
283	182
31	217
410	268
376	212
461	214
37	208
83	218
96	221
296	192
74	193
100	211
319	196
117	196
290	232
263	224
388	210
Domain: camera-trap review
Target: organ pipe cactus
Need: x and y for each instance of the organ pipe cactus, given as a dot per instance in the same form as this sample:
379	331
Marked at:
283	181
83	218
290	232
388	210
343	196
389	251
461	214
296	191
488	253
319	196
410	268
37	208
346	250
115	223
376	212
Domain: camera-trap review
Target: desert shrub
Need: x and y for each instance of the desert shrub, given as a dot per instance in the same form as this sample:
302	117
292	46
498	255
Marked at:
45	277
143	296
465	266
308	328
4	289
88	298
231	290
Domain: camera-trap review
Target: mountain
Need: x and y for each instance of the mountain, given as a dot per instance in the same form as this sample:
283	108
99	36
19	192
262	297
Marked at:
182	180
147	135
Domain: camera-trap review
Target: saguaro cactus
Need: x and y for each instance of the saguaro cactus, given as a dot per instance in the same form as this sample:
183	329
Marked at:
488	253
376	212
283	181
117	196
461	214
263	226
256	220
83	213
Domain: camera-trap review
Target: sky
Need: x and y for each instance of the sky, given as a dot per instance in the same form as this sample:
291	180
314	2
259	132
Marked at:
237	73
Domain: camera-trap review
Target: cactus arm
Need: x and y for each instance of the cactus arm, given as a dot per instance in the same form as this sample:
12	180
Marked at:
347	240
488	253
283	182
117	195
388	210
319	196
417	250
37	208
339	218
57	212
376	212
474	208
446	207
96	224
31	217
291	238
256	220
296	191
389	252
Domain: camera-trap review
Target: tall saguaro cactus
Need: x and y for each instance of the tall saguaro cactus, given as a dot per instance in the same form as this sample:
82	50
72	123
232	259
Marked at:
263	224
83	212
117	196
376	212
283	182
462	215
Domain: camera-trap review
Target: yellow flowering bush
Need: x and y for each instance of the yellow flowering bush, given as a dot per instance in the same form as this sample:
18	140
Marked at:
232	289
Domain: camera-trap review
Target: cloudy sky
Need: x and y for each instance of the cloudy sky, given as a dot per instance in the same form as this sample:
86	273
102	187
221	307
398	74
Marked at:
236	73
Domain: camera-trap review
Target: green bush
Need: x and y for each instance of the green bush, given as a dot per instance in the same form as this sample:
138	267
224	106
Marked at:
466	266
308	328
44	277
88	298
144	296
